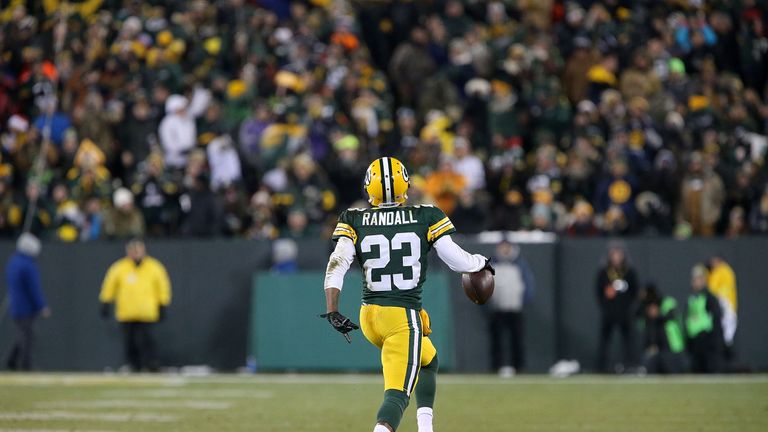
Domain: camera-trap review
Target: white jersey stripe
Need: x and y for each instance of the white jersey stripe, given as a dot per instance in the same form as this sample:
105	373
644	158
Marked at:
388	197
416	355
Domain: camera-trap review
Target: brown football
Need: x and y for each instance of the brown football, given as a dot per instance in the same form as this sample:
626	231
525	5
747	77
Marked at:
478	286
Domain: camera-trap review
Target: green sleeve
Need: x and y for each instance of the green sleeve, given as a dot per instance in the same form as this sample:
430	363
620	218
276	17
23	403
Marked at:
439	225
344	228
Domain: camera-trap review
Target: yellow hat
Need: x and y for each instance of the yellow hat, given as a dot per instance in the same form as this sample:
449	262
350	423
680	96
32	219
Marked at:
236	88
289	80
698	102
212	45
164	38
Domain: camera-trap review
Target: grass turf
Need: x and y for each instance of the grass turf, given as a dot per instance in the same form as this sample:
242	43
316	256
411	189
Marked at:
72	402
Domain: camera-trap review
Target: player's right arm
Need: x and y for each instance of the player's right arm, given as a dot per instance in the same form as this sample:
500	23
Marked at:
338	264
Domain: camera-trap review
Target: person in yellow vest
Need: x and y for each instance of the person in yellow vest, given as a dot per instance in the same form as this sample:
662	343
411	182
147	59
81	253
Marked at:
140	290
722	283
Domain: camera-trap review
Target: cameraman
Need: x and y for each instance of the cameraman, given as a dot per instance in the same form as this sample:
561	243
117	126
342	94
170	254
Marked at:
616	291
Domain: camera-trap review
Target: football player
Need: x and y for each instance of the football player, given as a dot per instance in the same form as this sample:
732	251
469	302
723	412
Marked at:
390	241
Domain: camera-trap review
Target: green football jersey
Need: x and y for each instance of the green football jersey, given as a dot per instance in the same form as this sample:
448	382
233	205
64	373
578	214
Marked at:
391	246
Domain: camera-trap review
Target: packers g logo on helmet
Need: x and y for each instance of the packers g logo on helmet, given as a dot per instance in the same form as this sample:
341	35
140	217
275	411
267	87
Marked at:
386	182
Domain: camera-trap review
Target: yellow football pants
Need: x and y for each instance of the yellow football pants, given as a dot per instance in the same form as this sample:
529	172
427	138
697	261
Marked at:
401	335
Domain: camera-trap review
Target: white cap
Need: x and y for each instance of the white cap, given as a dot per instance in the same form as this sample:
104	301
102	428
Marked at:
122	197
284	250
28	244
175	103
18	122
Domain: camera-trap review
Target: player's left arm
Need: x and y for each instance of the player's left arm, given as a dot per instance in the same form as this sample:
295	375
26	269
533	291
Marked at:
459	260
338	264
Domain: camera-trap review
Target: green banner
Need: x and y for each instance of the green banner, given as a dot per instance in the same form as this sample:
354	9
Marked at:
287	334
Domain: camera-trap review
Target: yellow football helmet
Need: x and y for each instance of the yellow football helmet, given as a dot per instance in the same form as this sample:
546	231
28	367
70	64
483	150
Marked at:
386	182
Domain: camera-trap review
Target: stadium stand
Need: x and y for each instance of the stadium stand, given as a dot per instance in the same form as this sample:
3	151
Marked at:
256	119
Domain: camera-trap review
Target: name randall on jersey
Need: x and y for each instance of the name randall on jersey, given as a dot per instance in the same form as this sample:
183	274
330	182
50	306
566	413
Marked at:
400	217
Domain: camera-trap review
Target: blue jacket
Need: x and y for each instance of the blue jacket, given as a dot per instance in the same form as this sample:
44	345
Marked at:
24	291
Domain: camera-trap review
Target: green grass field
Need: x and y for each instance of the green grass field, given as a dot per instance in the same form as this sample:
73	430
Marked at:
58	402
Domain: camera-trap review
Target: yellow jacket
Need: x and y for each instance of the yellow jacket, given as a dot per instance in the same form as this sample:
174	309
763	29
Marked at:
137	291
722	283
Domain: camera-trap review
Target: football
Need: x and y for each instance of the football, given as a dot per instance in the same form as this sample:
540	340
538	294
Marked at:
478	285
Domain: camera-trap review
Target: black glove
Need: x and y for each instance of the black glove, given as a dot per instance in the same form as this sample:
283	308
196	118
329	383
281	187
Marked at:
489	267
105	310
161	313
341	323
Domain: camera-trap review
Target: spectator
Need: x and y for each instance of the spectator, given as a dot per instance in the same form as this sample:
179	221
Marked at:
124	220
178	133
721	282
602	76
703	194
663	342
67	219
445	186
26	300
514	289
260	221
298	226
737	224
224	162
137	134
469	216
581	223
140	291
309	190
51	117
617	189
411	65
201	211
616	289
285	254
702	325
468	165
346	168
93	221
155	192
251	131
758	218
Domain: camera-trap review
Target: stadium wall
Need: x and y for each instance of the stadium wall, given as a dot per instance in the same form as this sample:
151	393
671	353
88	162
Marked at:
208	322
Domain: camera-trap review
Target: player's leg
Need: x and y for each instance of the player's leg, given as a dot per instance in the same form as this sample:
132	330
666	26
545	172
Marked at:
401	360
370	318
426	387
369	315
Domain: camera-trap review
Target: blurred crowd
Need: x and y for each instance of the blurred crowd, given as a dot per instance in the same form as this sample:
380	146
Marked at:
257	119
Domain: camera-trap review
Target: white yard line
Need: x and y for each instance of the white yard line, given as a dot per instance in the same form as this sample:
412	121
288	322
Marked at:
52	430
45	380
207	394
79	416
137	403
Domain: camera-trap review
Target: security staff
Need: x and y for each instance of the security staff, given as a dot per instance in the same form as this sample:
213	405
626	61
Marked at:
140	290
